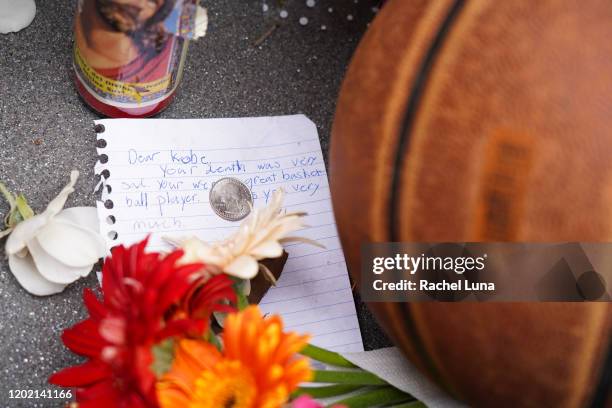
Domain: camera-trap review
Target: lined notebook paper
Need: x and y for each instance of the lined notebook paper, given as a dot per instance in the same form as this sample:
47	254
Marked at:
157	174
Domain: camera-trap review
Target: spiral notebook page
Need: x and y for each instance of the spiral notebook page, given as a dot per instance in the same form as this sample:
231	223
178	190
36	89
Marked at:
157	175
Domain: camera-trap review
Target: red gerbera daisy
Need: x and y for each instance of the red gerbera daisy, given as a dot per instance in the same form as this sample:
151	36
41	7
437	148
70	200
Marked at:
139	289
206	297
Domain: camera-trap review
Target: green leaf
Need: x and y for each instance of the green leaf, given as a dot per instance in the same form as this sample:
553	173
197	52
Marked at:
326	391
378	397
163	356
243	302
347	377
23	207
326	356
214	340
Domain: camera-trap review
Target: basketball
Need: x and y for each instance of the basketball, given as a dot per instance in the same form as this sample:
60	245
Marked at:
465	121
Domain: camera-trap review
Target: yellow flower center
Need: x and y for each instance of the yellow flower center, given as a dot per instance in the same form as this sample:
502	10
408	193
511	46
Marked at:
227	385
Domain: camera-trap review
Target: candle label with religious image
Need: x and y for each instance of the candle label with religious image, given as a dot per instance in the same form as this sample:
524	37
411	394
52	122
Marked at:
129	54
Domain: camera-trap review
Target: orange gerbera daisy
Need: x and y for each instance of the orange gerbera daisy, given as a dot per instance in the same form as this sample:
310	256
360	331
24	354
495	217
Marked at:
258	367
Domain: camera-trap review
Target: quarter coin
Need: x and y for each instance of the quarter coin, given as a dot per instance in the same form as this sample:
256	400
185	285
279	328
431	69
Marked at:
230	199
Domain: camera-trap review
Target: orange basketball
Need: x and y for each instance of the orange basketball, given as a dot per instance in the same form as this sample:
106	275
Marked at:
484	121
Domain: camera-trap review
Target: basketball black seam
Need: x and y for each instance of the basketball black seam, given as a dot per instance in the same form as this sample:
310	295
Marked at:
603	391
411	108
402	148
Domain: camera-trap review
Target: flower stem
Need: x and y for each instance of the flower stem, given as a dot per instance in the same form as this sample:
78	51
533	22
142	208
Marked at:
377	397
326	391
347	377
325	356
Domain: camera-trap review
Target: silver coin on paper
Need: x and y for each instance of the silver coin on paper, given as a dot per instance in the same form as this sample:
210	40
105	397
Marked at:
230	199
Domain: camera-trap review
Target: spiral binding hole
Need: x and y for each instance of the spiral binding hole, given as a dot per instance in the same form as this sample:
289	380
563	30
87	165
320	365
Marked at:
103	158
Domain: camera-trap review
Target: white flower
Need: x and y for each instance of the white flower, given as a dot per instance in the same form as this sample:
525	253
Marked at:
260	236
50	250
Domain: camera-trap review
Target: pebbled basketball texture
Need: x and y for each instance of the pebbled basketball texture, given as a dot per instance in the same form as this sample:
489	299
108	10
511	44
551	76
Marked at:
484	121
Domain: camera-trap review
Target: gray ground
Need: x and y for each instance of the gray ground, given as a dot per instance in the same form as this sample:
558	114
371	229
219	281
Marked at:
45	131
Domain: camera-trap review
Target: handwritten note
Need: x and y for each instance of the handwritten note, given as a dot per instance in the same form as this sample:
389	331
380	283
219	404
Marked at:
158	174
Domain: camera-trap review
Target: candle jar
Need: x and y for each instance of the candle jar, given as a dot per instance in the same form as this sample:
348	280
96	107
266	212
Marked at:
129	54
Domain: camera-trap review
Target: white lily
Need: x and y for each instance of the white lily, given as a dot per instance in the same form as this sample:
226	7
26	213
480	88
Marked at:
260	236
48	251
